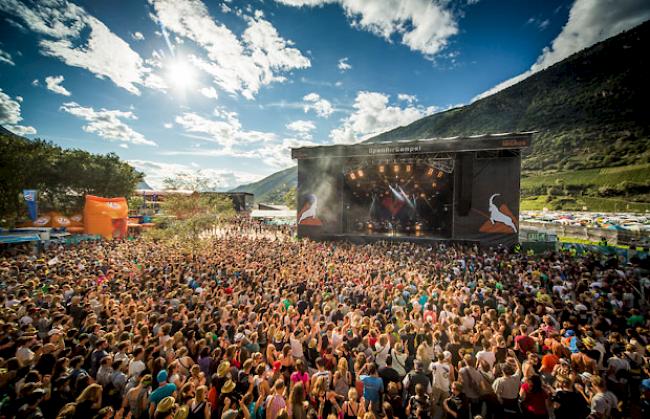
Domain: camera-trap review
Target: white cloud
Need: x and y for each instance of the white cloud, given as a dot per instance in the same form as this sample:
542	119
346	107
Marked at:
168	125
107	123
124	145
209	92
279	155
344	65
226	130
373	115
80	40
313	102
137	36
156	172
36	83
10	115
539	23
303	129
423	25
590	21
5	57
53	83
407	98
237	65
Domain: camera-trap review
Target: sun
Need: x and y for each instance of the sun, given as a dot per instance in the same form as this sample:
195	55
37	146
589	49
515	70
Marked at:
181	75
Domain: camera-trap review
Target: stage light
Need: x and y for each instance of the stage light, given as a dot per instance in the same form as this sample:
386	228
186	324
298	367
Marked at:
433	185
416	186
396	168
440	174
381	168
360	173
353	176
422	195
430	171
408	168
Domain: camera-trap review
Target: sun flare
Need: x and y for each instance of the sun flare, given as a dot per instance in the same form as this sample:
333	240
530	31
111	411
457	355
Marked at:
181	75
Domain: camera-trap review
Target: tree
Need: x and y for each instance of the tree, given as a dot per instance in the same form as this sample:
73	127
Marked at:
62	176
185	218
290	198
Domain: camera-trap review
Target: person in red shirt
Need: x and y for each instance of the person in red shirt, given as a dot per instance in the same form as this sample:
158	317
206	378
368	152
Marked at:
524	343
534	398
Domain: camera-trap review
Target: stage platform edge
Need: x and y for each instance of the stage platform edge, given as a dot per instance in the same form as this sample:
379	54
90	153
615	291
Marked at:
372	238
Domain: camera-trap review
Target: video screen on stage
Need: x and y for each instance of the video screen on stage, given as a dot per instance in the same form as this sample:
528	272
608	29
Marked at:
399	198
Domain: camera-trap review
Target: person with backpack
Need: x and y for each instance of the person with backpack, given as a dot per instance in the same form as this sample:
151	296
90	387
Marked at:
419	405
415	377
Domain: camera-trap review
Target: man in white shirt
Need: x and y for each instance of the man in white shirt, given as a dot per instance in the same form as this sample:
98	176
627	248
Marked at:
136	366
442	372
24	354
486	355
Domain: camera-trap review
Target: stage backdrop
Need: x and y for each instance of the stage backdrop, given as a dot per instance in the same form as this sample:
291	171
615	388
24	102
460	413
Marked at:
493	217
320	185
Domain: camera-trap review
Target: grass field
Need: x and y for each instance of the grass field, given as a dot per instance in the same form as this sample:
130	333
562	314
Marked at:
579	189
610	176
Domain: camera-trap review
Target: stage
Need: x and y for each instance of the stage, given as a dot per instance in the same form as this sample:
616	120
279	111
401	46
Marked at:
457	190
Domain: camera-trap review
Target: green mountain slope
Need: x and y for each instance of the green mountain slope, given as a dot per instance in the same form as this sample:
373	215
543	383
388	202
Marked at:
589	108
272	188
590	112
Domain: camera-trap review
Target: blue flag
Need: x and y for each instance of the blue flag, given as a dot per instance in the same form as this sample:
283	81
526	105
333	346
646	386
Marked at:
32	203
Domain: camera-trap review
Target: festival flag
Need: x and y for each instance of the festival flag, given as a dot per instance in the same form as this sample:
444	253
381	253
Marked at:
30	196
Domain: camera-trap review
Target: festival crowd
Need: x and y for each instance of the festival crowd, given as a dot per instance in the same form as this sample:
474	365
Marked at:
253	327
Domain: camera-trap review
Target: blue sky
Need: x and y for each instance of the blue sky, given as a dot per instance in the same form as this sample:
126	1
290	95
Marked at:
225	88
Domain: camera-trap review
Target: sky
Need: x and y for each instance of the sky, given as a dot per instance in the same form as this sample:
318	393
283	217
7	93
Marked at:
223	89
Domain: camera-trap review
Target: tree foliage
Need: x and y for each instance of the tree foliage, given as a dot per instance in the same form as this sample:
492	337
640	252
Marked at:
62	176
290	199
186	218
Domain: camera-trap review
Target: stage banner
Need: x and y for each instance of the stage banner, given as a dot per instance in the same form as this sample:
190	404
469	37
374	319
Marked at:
30	196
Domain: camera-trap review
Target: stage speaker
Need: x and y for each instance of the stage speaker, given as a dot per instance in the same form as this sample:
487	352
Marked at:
465	183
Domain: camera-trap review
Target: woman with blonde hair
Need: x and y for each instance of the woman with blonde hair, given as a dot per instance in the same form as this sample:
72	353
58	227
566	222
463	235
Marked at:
199	406
399	359
342	378
353	408
89	402
297	405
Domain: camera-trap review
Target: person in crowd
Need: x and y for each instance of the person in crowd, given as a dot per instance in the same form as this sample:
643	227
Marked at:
254	324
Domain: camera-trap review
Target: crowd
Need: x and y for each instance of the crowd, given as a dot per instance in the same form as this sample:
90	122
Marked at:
252	327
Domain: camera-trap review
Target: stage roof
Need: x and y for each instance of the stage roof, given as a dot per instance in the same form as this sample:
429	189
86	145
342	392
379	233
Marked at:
482	142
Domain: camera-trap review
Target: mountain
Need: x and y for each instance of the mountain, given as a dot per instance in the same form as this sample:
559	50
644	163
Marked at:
590	110
6	132
272	188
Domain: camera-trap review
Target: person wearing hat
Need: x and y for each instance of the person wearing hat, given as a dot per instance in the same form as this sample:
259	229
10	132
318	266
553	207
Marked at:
166	409
164	390
225	397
